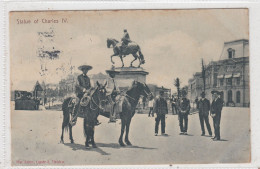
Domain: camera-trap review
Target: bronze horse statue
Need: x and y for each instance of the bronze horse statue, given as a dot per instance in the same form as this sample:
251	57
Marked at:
131	48
90	112
129	103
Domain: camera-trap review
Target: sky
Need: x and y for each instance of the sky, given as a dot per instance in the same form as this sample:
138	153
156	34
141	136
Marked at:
173	42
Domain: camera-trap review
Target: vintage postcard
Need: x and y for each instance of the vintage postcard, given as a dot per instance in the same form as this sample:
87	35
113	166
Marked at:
129	87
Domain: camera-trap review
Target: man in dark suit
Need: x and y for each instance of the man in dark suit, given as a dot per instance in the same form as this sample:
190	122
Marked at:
204	108
160	109
216	108
83	87
183	112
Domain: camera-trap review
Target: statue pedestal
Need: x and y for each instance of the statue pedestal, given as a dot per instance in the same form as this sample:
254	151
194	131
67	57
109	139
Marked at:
126	76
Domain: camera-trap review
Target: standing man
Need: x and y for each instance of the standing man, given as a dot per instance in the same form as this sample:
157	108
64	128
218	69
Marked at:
160	109
83	87
216	108
204	108
150	105
183	110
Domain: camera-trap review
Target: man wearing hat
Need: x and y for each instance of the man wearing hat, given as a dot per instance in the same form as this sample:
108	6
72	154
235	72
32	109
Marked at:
204	108
125	39
216	108
83	86
183	111
160	109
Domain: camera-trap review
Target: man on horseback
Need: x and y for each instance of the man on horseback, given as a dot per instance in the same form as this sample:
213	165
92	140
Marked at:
125	39
83	88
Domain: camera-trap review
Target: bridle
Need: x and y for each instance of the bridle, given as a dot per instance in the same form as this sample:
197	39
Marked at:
98	106
148	94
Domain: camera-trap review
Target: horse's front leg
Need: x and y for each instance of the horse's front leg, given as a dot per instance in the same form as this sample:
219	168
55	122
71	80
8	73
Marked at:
70	130
127	132
122	60
61	137
112	58
123	124
86	133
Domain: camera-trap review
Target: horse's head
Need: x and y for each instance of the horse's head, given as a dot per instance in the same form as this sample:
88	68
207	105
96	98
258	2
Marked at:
101	89
143	89
111	41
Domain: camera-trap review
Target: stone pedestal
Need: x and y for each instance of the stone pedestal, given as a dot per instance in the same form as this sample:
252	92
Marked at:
126	76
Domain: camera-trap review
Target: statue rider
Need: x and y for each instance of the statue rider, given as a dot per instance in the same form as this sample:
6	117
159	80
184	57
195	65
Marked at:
83	87
125	39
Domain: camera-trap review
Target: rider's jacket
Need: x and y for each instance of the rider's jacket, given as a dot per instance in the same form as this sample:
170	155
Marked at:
126	38
83	82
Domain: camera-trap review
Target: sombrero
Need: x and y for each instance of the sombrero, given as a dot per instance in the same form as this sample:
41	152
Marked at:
88	67
215	92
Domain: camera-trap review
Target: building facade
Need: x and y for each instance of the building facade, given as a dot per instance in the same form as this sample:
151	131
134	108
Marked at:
230	75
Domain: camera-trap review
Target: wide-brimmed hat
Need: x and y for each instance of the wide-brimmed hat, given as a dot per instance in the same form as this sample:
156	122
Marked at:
215	92
88	67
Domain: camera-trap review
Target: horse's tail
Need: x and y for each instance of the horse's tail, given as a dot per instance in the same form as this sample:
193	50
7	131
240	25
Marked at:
66	114
141	55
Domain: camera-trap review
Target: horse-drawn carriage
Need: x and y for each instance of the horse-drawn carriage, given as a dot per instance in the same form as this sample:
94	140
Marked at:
25	101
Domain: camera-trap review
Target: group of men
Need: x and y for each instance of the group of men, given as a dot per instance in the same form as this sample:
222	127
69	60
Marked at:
183	110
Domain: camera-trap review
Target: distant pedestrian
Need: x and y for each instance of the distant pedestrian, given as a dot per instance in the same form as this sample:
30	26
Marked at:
160	109
150	105
183	111
204	108
216	108
174	105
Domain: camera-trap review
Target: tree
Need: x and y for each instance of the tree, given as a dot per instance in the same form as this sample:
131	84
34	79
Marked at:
203	74
177	85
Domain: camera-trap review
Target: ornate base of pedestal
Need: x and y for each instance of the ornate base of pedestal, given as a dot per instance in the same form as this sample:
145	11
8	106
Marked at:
127	75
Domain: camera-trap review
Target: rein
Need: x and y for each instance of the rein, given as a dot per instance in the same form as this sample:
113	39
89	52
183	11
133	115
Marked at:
130	97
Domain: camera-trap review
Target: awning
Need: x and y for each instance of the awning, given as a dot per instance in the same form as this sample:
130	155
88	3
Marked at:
220	76
236	75
228	76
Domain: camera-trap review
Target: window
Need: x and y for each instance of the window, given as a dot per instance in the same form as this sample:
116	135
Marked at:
215	80
231	53
229	81
238	81
230	96
238	97
221	82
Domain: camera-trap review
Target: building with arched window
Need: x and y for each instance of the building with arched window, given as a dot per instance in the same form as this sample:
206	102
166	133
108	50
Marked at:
230	75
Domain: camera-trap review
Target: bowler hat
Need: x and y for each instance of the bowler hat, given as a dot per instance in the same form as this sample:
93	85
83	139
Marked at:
87	67
203	94
215	92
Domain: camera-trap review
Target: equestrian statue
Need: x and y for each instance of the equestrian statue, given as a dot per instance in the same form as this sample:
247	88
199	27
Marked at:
124	48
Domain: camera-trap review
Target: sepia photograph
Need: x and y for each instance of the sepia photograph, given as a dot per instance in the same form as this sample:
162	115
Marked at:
129	87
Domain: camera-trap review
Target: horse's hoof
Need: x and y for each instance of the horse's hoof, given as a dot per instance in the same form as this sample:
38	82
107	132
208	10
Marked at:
87	145
61	141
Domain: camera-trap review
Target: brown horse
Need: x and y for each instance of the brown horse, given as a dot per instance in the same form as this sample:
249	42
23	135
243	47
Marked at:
129	104
94	107
131	48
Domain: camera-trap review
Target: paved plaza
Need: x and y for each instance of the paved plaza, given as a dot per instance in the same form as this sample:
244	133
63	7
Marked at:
36	134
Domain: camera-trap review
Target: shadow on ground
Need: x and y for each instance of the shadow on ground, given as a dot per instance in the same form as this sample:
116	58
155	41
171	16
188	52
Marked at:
76	147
